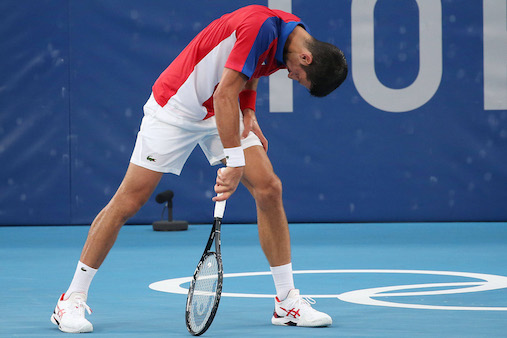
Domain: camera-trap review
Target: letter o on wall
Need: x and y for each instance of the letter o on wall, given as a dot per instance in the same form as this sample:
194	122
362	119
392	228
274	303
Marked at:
363	58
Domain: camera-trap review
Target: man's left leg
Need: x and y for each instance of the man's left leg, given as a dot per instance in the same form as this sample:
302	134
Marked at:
266	188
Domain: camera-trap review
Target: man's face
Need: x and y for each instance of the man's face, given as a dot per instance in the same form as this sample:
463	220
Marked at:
296	72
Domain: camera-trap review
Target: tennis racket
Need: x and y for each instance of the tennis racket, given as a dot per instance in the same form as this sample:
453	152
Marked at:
206	287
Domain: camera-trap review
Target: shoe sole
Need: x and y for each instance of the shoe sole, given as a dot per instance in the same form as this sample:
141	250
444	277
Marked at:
55	321
294	322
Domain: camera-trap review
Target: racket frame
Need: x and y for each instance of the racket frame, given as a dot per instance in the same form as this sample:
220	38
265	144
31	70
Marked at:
213	237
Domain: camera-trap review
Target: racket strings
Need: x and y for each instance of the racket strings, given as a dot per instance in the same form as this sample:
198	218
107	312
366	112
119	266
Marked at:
204	295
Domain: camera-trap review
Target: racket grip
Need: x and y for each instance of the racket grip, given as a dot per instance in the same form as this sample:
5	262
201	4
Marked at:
219	209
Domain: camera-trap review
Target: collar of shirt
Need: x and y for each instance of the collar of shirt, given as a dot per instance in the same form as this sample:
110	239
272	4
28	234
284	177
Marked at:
285	29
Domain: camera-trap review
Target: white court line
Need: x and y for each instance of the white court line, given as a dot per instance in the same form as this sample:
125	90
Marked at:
486	282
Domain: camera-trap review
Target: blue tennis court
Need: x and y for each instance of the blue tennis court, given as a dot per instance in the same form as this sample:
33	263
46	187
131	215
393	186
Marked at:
375	280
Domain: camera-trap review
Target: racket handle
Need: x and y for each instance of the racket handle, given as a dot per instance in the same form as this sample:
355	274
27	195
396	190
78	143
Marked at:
219	208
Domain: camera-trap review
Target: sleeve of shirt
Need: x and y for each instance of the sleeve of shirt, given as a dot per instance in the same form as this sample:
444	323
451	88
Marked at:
252	40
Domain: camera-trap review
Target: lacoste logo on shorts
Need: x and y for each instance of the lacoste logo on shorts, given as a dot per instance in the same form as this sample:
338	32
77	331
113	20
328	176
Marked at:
151	159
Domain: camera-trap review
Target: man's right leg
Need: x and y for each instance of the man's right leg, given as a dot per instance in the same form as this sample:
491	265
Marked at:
136	188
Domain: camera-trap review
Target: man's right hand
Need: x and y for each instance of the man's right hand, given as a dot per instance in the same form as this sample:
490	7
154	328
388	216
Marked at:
227	182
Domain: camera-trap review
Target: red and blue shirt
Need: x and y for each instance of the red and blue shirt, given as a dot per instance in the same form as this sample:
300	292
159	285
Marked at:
249	40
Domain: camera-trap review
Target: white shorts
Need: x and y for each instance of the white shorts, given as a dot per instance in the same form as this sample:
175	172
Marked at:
165	140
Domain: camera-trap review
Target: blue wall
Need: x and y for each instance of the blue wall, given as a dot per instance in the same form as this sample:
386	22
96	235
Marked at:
75	75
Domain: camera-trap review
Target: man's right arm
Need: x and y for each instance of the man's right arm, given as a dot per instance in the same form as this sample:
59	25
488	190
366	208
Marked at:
225	102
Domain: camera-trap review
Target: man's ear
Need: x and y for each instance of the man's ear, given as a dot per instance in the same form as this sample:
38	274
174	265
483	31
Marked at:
306	58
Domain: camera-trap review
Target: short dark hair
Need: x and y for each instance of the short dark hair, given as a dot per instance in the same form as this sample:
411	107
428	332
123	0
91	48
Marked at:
328	69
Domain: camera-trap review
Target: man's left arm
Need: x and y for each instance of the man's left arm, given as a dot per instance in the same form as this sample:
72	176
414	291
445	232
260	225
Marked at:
247	99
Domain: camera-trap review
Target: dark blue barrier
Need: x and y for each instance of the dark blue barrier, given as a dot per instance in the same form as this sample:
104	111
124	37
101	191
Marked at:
417	133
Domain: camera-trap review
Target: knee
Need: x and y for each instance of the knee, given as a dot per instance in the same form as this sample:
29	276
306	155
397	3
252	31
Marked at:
269	191
132	207
126	207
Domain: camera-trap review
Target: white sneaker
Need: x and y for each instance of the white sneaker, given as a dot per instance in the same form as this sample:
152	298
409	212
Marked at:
296	310
69	314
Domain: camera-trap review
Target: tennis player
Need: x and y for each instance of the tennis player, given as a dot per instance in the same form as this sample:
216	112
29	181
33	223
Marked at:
207	96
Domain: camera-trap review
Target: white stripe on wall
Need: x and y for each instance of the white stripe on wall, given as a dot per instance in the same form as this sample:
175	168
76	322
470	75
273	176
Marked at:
280	86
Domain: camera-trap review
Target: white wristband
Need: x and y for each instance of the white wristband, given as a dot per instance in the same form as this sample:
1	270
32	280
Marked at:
234	157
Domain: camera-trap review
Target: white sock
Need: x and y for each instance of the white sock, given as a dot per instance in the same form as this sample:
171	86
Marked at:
284	281
82	279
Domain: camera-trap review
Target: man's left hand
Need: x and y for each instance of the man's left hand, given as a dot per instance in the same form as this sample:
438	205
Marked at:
250	123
